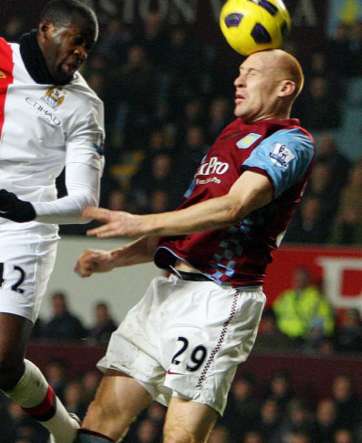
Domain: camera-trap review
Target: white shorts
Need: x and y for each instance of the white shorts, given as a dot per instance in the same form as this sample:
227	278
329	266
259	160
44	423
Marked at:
186	338
26	262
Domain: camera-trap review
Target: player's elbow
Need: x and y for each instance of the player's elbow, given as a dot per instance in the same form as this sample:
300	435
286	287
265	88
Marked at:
234	212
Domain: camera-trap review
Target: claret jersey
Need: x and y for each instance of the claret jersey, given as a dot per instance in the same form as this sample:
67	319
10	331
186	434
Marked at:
238	255
43	128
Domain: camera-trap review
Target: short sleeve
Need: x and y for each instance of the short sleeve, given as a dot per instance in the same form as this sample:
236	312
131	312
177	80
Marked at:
85	140
284	157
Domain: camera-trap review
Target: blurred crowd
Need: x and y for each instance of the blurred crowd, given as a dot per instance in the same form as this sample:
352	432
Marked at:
168	95
258	411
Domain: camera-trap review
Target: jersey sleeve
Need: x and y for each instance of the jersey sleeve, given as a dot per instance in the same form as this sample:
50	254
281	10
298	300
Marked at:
85	137
84	164
284	158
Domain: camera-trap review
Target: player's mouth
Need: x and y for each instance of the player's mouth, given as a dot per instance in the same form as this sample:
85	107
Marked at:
239	99
70	68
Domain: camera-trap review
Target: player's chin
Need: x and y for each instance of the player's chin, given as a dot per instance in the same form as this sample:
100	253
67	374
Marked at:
239	111
64	76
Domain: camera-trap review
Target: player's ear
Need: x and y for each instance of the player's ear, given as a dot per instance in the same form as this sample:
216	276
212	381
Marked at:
45	29
287	88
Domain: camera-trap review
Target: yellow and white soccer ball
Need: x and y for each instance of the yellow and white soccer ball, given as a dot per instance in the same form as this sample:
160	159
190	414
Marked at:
254	25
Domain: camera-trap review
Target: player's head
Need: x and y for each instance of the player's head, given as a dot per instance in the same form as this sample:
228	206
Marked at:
67	31
267	85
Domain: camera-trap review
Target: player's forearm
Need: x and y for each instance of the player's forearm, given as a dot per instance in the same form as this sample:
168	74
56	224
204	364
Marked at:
83	187
140	251
211	214
66	210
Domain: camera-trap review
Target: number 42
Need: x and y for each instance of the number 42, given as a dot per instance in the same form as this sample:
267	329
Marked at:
16	286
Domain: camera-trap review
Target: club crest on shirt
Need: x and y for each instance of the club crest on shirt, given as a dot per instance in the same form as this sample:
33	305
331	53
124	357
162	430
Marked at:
281	155
54	97
2	74
248	140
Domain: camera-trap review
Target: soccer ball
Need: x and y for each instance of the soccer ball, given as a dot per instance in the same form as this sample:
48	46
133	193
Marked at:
254	25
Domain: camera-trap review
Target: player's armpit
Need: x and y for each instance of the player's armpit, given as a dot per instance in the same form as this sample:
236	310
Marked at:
251	191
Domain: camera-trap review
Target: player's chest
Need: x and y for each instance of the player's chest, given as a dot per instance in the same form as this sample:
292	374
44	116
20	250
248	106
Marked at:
222	165
37	113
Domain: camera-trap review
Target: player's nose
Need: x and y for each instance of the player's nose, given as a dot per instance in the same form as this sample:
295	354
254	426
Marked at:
81	53
239	81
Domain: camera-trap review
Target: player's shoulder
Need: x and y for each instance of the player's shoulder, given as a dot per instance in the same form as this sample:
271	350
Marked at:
82	92
6	45
295	137
230	129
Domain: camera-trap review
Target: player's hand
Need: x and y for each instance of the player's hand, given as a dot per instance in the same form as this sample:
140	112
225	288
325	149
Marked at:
91	261
115	223
12	208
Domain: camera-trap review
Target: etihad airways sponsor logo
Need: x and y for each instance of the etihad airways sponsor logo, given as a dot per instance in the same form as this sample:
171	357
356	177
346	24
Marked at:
213	166
43	111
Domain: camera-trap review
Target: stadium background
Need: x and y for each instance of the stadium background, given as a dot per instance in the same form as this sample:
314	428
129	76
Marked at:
166	79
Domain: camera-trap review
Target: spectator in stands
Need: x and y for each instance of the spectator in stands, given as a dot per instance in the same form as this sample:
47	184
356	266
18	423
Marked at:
321	107
338	164
343	436
55	374
356	49
303	313
156	412
269	421
104	324
13	29
339	51
308	225
298	437
280	390
193	114
347	402
348	224
146	432
219	116
135	93
242	407
219	434
153	37
73	399
63	325
115	41
159	178
270	338
253	437
117	200
325	424
23	427
297	420
321	185
159	201
189	156
349	332
90	382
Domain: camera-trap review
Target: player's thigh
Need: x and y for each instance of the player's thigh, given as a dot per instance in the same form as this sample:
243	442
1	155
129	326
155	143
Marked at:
26	262
118	401
188	421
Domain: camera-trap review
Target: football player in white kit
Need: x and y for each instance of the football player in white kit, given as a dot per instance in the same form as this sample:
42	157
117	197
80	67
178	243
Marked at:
49	119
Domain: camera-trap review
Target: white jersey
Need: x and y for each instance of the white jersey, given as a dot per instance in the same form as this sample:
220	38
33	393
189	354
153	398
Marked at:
43	129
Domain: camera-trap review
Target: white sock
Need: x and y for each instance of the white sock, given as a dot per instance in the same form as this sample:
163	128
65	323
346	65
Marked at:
38	399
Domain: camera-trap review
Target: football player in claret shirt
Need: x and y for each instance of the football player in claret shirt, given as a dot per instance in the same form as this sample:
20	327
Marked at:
181	344
49	119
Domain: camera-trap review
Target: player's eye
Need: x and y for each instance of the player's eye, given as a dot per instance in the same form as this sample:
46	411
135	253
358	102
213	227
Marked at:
79	40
